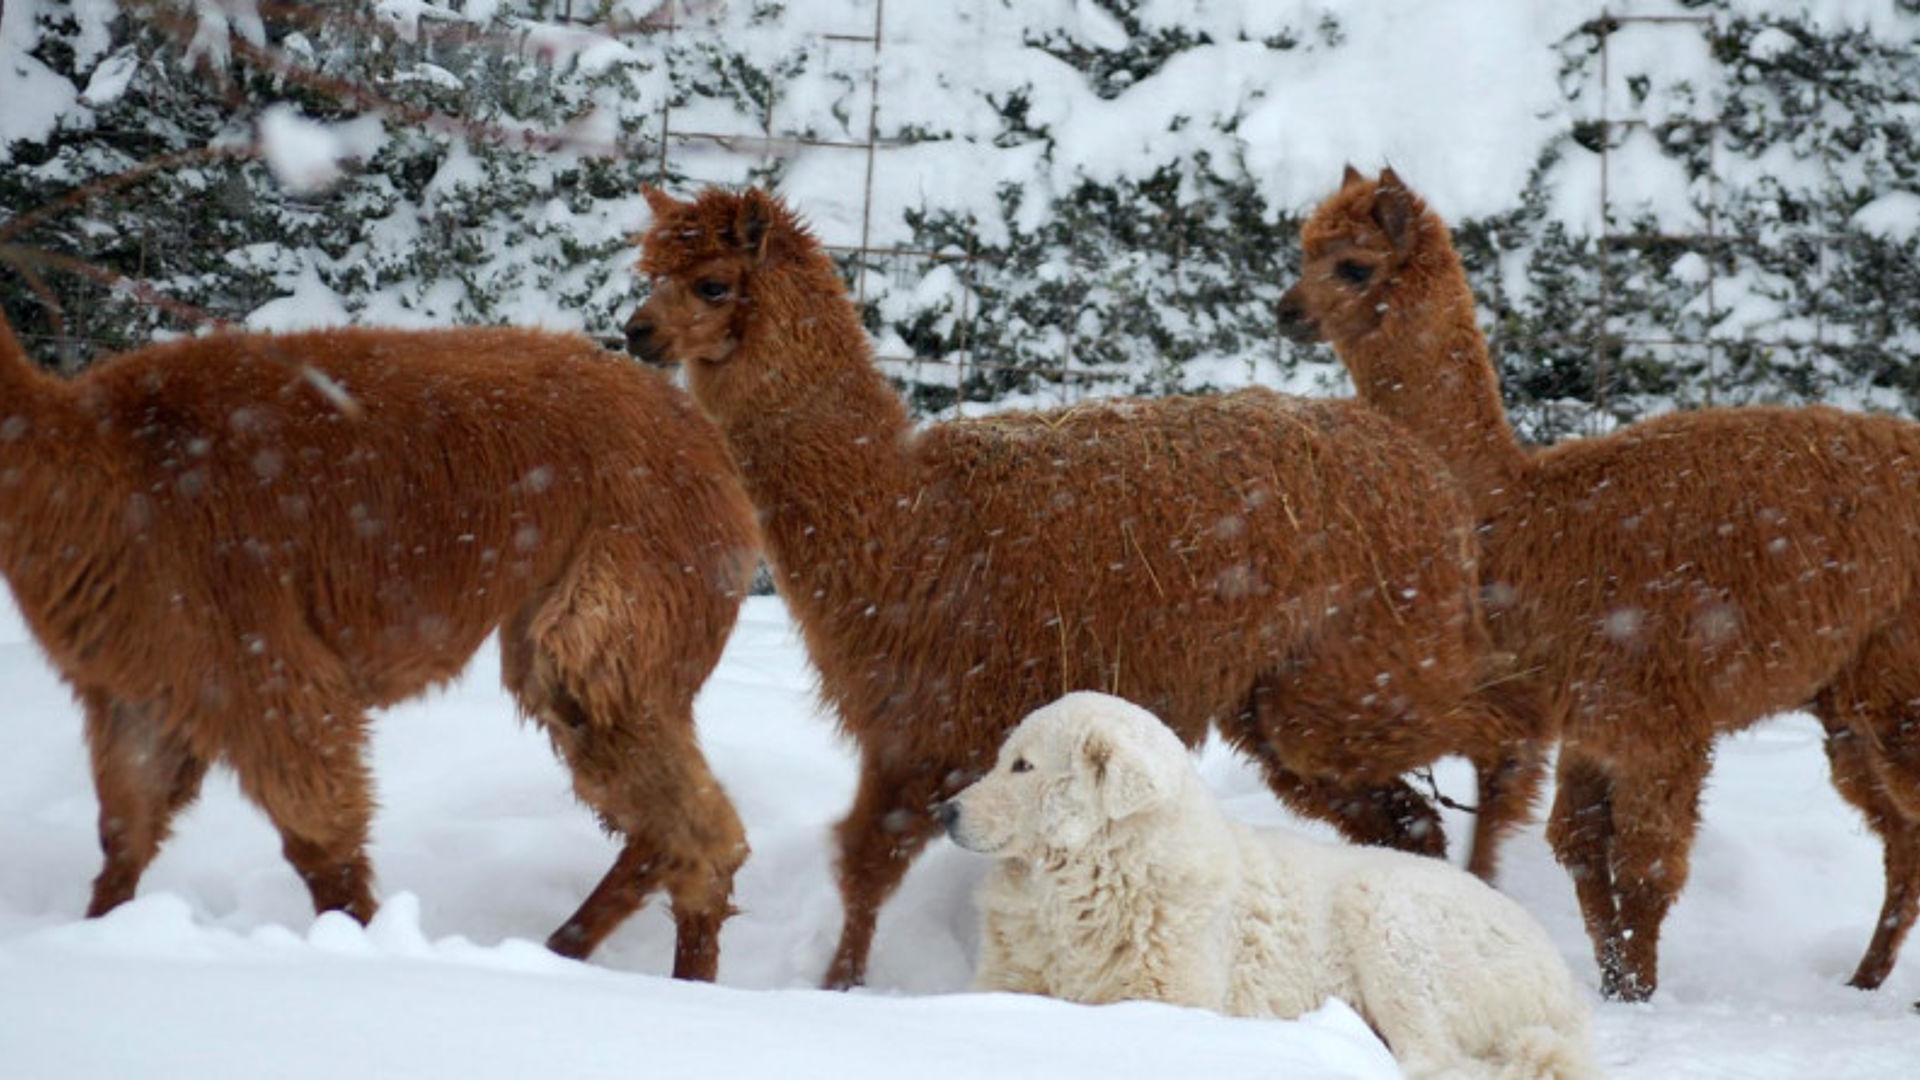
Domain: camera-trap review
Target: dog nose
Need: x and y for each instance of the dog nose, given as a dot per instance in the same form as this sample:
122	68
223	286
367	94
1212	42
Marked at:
948	811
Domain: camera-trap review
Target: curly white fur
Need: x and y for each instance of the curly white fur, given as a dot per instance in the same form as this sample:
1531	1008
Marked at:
1120	879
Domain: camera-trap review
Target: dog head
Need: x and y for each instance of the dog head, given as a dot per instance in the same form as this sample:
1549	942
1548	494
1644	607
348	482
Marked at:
1068	775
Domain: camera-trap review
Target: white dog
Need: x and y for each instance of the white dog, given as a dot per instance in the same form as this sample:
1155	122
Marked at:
1120	879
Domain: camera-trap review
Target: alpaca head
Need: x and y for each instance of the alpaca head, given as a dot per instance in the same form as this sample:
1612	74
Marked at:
1360	246
1380	280
723	267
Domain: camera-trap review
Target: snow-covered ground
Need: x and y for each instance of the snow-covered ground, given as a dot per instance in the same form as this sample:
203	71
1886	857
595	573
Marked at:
219	969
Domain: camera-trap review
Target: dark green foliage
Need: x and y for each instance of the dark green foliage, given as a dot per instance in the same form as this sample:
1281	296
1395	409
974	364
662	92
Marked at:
400	231
1765	285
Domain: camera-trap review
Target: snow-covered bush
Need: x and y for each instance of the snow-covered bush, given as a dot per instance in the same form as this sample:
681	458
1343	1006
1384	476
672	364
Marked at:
1064	196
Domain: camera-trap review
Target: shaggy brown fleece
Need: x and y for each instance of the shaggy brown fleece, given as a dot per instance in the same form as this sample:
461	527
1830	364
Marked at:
228	568
1675	580
1291	570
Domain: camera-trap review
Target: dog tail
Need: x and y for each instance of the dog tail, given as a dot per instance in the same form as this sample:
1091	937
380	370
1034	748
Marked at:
1545	1053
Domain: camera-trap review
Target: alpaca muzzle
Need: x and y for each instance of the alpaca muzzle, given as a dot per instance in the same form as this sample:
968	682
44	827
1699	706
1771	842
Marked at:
643	343
1295	324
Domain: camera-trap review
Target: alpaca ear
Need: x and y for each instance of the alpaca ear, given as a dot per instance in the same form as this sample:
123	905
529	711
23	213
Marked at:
1351	177
1127	780
1393	209
755	223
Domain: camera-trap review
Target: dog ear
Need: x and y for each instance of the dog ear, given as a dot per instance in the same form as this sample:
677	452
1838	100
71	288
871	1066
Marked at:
1127	779
1351	177
1393	209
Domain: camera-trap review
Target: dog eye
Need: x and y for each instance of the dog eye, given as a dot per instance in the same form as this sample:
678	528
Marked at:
1020	765
712	291
1353	273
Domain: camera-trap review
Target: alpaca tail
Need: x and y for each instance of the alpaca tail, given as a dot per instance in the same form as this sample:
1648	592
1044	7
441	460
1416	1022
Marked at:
12	353
1546	1053
21	380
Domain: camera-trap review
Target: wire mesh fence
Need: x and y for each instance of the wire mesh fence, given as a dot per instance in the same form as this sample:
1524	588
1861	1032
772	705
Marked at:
1634	157
1584	368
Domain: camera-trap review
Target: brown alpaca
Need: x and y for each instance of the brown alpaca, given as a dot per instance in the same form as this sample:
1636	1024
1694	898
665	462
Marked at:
1675	580
1287	569
227	568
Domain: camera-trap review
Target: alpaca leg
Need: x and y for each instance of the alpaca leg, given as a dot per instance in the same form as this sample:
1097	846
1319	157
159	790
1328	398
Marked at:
1580	830
1873	757
595	664
635	873
1507	728
699	882
642	773
1899	836
1860	775
143	777
1901	857
1508	788
311	778
531	677
1385	814
680	834
1655	817
702	893
1378	815
890	822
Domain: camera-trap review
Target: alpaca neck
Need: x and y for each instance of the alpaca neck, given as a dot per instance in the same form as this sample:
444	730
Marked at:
1426	368
824	454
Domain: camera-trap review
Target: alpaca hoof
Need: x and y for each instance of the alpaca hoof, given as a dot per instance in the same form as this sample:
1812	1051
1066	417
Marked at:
696	952
842	976
570	941
1630	989
699	969
1871	973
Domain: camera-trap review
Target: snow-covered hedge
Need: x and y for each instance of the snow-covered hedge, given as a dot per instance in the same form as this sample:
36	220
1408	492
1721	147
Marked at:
1109	189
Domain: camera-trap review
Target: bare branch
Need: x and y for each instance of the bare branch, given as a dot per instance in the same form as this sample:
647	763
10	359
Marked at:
27	259
270	60
125	178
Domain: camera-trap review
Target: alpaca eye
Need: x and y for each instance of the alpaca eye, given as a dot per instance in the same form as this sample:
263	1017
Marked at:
712	291
1352	272
1021	765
